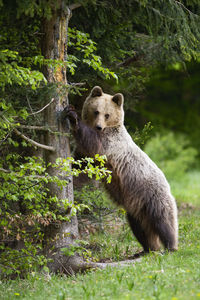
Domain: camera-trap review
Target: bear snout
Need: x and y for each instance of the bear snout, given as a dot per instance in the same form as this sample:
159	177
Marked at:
98	127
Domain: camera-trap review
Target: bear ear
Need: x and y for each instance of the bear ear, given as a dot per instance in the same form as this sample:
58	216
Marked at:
96	92
118	99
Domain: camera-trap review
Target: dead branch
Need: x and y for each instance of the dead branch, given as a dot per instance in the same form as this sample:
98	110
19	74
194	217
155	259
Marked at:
75	264
130	60
50	148
42	128
4	170
32	142
186	9
29	104
39	111
76	83
74	6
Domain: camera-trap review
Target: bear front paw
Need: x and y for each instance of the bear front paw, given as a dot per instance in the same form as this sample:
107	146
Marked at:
70	113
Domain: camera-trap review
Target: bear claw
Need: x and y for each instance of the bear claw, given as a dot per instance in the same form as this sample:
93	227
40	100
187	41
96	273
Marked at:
70	113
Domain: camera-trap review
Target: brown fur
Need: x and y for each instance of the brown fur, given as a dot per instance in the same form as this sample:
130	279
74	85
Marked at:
137	183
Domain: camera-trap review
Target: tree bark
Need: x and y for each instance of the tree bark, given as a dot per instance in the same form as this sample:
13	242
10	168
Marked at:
54	44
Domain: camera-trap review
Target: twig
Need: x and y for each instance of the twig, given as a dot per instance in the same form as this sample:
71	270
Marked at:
1	142
4	170
185	8
130	60
76	83
29	104
50	148
74	6
67	272
39	111
42	128
33	127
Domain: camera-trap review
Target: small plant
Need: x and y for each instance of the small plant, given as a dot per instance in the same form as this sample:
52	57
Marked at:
97	203
119	276
130	284
116	252
79	248
140	137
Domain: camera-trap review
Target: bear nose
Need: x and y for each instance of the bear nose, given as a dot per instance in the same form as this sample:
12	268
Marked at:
98	127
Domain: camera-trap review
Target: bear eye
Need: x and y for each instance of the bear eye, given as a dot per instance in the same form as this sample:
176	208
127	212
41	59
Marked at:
107	116
96	112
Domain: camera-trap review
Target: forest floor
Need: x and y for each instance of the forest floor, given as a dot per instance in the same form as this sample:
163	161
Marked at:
155	276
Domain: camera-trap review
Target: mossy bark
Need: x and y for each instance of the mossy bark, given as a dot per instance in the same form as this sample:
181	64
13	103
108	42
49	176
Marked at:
54	46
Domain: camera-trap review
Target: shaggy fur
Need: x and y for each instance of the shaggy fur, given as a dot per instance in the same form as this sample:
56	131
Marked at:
137	183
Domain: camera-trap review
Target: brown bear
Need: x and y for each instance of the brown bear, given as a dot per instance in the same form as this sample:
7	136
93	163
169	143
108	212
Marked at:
137	183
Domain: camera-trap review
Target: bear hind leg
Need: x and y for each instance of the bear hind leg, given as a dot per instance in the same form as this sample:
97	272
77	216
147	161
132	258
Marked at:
138	232
153	240
167	235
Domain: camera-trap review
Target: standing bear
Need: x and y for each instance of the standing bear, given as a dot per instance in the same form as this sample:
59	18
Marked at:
137	183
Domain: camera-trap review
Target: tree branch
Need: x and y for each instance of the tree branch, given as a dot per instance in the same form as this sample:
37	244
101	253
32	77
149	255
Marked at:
130	60
42	128
186	9
34	127
39	111
32	142
4	170
74	6
76	83
50	148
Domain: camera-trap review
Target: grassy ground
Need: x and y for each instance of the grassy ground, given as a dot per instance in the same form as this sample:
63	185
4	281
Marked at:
187	188
156	276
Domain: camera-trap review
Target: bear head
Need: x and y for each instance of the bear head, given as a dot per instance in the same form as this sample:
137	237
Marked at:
102	110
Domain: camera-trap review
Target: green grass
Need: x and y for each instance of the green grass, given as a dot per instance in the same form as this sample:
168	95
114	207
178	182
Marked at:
116	243
157	276
187	188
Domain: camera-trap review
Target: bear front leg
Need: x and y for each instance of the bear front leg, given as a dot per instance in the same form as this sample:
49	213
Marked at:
138	232
70	113
88	140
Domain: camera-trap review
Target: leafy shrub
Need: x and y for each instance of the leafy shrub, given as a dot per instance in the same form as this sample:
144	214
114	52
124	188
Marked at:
172	153
26	207
140	137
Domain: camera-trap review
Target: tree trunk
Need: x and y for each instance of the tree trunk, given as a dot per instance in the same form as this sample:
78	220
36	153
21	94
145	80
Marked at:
54	44
54	47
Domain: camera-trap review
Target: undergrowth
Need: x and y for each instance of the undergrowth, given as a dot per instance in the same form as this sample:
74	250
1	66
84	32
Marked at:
174	276
155	276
